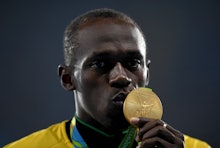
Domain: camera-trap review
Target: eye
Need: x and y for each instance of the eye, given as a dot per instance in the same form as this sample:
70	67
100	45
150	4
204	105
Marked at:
97	64
133	63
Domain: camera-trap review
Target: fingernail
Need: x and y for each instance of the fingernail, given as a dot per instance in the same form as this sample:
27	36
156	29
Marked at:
137	138
134	120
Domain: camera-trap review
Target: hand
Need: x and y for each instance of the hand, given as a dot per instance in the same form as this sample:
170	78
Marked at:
154	133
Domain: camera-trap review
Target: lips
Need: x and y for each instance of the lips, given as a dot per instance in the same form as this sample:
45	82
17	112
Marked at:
119	99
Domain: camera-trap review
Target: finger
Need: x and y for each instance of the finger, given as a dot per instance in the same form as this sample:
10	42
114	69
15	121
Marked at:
163	133
175	132
155	142
160	143
159	131
156	128
152	123
139	122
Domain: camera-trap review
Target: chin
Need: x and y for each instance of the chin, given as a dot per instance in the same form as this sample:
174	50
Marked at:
116	120
120	124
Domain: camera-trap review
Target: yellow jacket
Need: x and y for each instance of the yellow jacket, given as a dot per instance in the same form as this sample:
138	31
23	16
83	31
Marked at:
55	137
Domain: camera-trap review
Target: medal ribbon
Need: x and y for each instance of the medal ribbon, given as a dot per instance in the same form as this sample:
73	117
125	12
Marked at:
78	141
128	139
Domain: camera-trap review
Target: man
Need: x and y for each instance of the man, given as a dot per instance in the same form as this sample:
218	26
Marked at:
105	57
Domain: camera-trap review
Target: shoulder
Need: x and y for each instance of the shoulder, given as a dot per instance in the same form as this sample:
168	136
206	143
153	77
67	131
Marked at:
54	136
191	142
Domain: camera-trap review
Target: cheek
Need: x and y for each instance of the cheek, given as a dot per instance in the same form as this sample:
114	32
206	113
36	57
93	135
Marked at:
142	77
92	85
88	85
89	79
95	90
84	80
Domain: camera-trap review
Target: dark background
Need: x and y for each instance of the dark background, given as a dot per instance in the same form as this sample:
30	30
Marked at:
183	38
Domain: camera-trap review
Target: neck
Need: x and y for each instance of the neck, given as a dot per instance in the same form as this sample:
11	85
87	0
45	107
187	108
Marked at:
108	125
94	136
89	126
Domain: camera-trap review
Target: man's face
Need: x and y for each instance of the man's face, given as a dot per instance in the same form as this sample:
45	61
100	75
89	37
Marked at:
111	61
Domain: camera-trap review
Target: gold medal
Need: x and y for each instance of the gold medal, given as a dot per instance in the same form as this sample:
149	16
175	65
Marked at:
142	102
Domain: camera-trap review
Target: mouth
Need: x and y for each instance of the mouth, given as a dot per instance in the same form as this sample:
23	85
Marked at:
119	99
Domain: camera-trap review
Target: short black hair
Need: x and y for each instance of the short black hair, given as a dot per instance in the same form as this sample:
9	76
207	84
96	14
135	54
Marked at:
70	40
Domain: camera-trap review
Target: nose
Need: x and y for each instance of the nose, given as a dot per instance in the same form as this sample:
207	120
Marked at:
118	77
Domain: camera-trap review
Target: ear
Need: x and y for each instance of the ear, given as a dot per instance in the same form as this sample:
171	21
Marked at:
148	72
65	75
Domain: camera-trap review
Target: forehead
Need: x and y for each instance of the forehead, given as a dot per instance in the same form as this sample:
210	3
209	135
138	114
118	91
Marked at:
108	35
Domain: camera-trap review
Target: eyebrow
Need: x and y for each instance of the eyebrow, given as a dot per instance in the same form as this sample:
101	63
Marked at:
109	54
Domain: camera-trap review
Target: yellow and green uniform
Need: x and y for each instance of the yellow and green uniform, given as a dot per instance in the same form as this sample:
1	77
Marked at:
56	136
